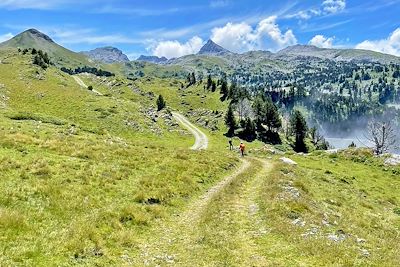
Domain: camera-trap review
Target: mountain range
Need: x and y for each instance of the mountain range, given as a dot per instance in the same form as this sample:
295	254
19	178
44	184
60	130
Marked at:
210	54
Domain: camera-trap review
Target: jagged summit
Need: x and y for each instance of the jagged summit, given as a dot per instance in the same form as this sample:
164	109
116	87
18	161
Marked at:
107	54
211	48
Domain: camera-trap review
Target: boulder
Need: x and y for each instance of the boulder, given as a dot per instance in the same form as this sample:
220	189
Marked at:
288	161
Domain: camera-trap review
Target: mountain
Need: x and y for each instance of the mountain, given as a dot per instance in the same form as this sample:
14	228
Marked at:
59	55
211	48
107	55
152	59
302	51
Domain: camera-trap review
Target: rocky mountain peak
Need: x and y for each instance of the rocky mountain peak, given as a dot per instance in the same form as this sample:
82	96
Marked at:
107	54
211	48
37	34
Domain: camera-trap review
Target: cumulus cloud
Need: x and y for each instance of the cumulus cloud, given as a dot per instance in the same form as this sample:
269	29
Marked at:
333	6
390	45
240	37
174	49
321	41
6	37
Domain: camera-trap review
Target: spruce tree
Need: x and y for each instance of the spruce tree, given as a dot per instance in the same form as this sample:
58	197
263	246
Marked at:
160	103
209	82
224	90
213	86
249	131
230	121
193	81
299	128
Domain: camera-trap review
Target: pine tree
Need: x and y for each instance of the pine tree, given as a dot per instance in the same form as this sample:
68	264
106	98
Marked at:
209	82
160	103
193	78
224	90
299	129
213	86
272	118
249	131
230	121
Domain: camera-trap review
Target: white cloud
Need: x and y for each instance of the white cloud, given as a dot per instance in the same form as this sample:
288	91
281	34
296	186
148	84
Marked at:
327	7
333	6
240	37
322	41
174	49
305	14
390	45
6	37
234	37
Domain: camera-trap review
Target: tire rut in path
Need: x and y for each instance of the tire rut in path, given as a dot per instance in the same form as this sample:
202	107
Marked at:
179	236
82	84
201	140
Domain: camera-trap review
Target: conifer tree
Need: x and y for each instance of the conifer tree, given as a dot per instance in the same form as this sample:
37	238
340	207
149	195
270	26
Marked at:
230	121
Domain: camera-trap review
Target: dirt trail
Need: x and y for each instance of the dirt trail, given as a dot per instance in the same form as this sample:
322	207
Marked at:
196	208
201	139
81	83
220	227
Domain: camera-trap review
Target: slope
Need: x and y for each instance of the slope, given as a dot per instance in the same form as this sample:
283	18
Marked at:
83	174
59	55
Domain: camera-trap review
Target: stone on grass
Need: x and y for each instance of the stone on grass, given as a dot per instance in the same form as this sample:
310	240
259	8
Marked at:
288	161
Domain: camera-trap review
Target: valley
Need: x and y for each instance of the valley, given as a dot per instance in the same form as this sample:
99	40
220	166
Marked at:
111	162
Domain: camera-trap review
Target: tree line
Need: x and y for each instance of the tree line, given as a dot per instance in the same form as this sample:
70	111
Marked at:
86	69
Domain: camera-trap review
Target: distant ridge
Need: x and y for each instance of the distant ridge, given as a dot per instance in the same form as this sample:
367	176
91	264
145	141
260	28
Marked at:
211	48
152	59
335	54
107	54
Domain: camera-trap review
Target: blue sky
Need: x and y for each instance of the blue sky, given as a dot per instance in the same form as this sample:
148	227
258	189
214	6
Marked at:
176	28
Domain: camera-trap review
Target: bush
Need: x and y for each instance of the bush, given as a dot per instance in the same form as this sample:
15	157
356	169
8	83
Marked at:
90	88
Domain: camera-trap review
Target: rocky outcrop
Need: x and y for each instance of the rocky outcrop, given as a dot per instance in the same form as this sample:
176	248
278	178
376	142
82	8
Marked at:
107	55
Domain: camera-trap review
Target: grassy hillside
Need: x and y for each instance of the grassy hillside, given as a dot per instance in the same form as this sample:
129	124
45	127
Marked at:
332	209
82	173
59	55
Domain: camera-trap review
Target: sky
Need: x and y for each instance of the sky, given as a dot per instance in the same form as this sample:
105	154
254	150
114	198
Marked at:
180	27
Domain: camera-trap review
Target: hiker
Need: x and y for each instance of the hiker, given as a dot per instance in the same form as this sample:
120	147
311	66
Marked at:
242	147
230	144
